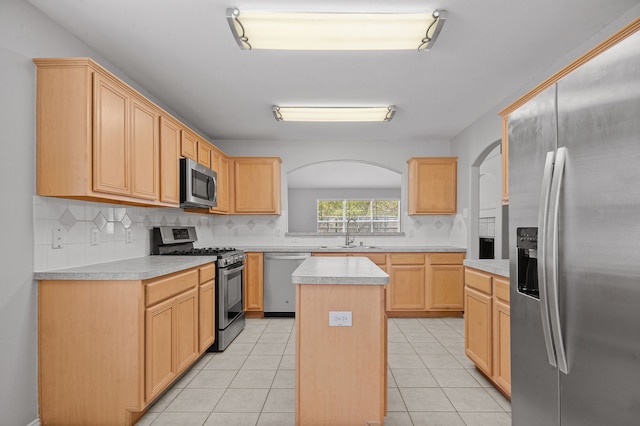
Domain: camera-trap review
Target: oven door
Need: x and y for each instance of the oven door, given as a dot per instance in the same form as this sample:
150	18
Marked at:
231	282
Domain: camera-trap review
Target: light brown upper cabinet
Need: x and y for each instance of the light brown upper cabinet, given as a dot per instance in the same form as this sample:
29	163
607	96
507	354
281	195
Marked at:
170	134
97	138
625	32
194	147
220	165
256	185
433	185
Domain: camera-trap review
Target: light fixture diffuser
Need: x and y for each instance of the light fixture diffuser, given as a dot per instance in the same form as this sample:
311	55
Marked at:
335	31
334	114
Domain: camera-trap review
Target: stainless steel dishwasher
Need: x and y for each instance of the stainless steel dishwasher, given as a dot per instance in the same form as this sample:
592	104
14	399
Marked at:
279	292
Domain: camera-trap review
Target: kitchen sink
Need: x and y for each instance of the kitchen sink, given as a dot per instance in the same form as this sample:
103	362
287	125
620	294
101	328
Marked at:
349	247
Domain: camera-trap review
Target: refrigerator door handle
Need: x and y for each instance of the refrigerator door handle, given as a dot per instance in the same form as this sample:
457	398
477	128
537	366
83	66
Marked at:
543	216
552	256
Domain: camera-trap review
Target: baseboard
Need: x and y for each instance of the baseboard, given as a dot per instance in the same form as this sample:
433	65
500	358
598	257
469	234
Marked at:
36	422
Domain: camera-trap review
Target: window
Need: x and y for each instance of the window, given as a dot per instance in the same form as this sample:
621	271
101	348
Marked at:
378	216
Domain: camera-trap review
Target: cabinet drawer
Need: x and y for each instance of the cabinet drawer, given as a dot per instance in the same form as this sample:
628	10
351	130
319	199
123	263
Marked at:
379	259
407	259
501	288
477	280
207	273
164	288
446	258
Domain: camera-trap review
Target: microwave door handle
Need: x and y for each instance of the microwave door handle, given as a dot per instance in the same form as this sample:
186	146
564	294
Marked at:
543	217
552	255
210	188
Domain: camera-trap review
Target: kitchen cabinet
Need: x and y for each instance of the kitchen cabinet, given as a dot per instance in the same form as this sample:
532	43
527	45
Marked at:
170	137
207	299
487	326
420	284
171	328
254	285
445	281
108	348
97	138
406	288
196	148
220	165
433	185
501	335
256	185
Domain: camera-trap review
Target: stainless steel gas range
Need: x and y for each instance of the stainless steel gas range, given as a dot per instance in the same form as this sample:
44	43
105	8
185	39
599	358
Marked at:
229	284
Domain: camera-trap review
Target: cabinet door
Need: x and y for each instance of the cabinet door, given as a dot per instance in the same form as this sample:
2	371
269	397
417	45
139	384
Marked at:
501	345
256	185
169	161
207	312
446	287
253	285
145	155
220	165
433	185
160	366
189	145
204	153
110	138
478	330
186	329
406	288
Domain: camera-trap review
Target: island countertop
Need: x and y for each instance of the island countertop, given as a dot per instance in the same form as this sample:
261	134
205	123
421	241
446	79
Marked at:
339	270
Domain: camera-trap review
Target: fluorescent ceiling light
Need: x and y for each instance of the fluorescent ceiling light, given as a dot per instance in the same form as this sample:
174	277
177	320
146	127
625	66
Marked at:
345	114
335	31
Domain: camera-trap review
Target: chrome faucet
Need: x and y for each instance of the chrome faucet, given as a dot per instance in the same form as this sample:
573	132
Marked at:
347	240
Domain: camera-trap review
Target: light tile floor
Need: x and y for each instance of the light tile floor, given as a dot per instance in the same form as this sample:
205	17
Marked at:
431	381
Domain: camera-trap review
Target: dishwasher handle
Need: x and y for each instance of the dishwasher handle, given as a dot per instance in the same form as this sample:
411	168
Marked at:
296	256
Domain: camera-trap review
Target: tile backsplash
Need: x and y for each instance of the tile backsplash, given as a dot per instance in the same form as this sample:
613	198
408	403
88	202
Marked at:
100	232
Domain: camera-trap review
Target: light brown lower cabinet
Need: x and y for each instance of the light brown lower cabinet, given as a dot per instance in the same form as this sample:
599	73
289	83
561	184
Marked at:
254	285
421	284
487	326
108	348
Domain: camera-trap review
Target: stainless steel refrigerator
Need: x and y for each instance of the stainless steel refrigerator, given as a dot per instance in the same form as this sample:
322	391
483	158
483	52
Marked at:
574	226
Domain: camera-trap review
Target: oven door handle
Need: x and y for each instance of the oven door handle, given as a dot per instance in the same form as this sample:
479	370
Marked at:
226	272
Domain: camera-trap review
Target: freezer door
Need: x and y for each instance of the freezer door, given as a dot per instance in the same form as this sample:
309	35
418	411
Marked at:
534	382
599	238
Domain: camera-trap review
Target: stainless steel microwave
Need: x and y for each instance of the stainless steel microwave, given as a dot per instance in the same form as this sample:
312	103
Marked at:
198	185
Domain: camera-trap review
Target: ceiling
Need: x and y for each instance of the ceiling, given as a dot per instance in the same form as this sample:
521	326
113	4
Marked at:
184	54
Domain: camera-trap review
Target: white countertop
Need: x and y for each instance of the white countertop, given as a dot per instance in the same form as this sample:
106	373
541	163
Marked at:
354	249
139	268
493	266
339	270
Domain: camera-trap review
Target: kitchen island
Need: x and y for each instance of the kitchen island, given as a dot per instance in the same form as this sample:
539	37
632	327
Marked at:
341	343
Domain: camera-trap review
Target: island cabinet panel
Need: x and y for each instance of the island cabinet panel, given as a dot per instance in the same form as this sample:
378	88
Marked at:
341	371
108	349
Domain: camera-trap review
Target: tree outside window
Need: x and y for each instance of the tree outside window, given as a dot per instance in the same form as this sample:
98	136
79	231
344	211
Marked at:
378	216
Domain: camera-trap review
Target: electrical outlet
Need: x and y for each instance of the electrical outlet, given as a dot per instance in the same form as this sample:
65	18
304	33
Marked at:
128	236
57	237
340	319
95	240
